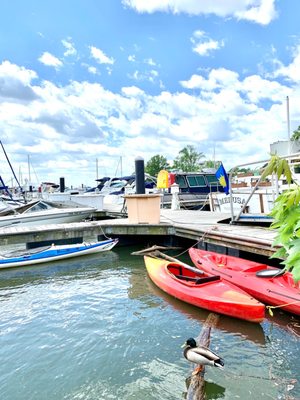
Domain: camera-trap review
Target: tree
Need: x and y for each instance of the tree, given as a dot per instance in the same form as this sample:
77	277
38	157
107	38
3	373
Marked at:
156	164
188	159
296	134
286	217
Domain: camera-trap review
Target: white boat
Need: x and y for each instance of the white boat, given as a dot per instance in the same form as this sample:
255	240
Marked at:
21	258
251	199
43	213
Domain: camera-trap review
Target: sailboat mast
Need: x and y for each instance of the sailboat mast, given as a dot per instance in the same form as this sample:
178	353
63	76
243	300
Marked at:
12	170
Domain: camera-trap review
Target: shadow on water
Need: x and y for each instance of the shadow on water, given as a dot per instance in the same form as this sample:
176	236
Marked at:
72	268
245	329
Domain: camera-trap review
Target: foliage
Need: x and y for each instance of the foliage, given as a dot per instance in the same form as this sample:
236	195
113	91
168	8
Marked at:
286	219
278	166
210	164
296	134
188	159
156	164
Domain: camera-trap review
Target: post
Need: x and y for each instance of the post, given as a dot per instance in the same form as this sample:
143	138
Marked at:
61	185
139	176
196	388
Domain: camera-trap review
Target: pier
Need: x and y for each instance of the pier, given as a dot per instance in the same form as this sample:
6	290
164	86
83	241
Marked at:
208	227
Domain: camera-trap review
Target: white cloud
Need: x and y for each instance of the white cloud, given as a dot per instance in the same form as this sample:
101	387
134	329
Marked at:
292	70
50	60
131	58
203	45
100	56
259	11
69	46
150	61
216	108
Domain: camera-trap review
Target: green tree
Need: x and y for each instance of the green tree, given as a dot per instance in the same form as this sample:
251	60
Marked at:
156	164
296	134
286	218
188	159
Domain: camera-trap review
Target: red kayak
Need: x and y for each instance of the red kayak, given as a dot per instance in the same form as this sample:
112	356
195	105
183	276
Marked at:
267	284
188	284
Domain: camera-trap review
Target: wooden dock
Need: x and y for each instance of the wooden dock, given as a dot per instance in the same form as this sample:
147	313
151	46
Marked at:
196	225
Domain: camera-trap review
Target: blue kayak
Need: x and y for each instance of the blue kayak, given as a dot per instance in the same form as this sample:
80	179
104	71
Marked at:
54	252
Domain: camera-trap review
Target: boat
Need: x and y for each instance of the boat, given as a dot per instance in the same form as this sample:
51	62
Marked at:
209	292
42	213
21	258
251	196
194	189
268	284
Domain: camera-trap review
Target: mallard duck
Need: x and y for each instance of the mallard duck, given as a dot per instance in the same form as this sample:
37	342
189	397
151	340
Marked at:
201	355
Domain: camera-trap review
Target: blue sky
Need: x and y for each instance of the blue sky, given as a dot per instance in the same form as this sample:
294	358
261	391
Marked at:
82	80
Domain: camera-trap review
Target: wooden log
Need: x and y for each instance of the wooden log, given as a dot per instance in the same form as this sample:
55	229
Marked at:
196	386
153	248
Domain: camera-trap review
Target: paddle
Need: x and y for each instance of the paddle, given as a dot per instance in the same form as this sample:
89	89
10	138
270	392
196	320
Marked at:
189	267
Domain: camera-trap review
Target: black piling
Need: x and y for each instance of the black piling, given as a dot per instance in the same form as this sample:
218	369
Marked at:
139	176
62	185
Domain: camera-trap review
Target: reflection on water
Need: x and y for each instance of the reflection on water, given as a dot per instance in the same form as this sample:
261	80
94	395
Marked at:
97	328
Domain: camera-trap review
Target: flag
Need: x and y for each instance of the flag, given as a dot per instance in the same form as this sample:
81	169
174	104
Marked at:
223	178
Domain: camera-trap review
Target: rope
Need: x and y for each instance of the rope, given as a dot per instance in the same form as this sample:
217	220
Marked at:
269	308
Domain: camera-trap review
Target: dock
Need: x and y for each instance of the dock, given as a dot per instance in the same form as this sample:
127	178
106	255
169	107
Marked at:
199	226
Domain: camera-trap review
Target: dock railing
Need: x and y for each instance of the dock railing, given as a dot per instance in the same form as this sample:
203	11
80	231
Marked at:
293	159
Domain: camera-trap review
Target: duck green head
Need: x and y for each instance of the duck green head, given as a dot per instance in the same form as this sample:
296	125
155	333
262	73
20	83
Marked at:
191	342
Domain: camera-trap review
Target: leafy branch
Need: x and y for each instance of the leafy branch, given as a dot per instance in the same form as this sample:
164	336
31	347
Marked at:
286	218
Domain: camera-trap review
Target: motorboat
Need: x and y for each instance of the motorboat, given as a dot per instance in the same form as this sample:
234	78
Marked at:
43	213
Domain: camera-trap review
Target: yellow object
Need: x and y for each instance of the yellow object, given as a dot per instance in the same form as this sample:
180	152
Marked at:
163	179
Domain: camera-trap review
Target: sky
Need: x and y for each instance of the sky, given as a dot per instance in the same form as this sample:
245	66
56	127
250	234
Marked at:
89	86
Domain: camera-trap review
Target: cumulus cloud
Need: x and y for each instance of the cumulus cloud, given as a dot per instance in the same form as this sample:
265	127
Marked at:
291	71
69	46
203	45
15	83
50	60
75	123
258	11
100	56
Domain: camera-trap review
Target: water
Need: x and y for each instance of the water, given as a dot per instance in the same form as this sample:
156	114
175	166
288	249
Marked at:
97	328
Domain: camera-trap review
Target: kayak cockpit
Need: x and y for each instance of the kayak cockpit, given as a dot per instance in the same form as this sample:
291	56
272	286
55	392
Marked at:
179	272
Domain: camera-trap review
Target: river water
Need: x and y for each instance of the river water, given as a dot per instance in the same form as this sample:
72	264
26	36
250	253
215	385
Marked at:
97	328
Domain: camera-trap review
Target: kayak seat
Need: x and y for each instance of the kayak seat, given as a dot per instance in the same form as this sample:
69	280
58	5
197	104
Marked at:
187	278
208	279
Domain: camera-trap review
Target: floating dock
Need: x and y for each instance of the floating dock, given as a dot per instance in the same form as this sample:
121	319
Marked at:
203	226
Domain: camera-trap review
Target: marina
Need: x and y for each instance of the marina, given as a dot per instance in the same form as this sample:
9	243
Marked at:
98	328
108	303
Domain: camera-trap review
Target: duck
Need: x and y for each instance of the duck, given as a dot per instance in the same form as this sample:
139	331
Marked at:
201	355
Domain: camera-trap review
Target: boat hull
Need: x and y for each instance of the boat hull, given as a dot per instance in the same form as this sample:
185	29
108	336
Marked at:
280	291
214	294
57	252
44	218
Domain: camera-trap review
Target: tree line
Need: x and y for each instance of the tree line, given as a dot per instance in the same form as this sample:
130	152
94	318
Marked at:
187	160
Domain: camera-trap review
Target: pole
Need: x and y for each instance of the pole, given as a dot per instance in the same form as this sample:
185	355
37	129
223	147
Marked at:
288	123
139	175
12	170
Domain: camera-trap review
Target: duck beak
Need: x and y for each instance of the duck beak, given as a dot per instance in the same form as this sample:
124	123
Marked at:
183	345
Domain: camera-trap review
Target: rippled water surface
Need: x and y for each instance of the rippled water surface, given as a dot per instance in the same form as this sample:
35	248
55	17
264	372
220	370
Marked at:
96	328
